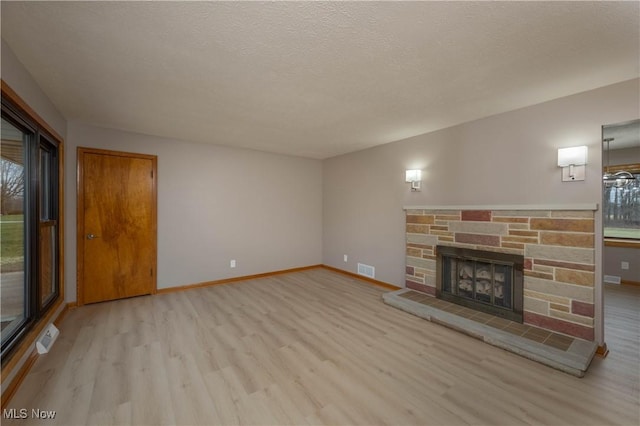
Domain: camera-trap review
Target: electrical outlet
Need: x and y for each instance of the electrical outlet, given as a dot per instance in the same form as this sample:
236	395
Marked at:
232	264
345	257
624	265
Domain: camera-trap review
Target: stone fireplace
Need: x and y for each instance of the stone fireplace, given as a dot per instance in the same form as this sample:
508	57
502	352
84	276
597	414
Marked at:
556	245
483	280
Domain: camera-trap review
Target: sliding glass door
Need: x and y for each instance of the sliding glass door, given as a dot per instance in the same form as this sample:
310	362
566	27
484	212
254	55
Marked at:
29	226
13	226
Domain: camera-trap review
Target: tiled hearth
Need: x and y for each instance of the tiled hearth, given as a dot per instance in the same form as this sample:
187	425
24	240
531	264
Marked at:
535	334
565	353
557	242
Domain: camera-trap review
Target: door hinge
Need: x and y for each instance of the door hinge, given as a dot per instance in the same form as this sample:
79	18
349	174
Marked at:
151	270
151	174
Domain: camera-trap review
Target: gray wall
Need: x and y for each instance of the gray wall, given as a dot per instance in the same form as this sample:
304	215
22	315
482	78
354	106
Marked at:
625	156
509	158
16	76
613	258
19	79
214	204
286	212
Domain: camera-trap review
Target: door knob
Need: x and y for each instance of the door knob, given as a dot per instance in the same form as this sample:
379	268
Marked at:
91	236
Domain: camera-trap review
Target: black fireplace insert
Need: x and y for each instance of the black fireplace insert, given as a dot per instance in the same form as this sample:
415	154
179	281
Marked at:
486	281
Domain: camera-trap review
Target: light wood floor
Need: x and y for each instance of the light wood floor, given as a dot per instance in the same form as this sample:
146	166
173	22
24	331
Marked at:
312	347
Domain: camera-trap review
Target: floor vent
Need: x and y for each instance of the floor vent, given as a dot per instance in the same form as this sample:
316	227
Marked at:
366	270
47	339
611	279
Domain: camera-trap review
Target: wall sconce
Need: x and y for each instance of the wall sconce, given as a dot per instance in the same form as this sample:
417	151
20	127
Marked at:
414	177
572	160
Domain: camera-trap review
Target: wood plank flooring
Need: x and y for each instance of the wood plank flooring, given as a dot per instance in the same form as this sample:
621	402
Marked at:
312	347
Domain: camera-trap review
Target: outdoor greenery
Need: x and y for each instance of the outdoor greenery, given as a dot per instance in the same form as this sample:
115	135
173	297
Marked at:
628	233
12	242
11	186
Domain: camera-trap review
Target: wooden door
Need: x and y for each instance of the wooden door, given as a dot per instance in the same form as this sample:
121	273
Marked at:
116	225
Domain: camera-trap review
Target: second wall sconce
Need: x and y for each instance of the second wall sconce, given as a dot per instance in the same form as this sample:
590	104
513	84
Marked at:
572	160
414	177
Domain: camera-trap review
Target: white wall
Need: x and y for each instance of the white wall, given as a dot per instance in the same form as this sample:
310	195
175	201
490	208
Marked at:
214	204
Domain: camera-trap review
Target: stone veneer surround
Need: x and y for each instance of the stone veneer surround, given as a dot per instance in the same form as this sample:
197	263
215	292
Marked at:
558	244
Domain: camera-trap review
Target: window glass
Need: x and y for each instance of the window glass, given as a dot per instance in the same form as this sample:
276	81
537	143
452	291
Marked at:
48	262
48	226
29	212
45	184
13	288
622	210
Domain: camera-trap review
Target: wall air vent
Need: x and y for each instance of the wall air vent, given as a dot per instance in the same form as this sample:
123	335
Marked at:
612	279
366	270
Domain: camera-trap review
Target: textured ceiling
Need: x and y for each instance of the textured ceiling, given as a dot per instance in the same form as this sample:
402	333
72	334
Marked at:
314	79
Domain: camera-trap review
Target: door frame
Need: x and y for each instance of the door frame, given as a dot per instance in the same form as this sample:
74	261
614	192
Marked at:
80	231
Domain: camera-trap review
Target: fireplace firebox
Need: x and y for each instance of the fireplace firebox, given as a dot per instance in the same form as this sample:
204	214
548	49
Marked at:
486	281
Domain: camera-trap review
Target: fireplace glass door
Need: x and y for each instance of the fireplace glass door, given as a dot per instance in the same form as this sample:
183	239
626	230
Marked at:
485	284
